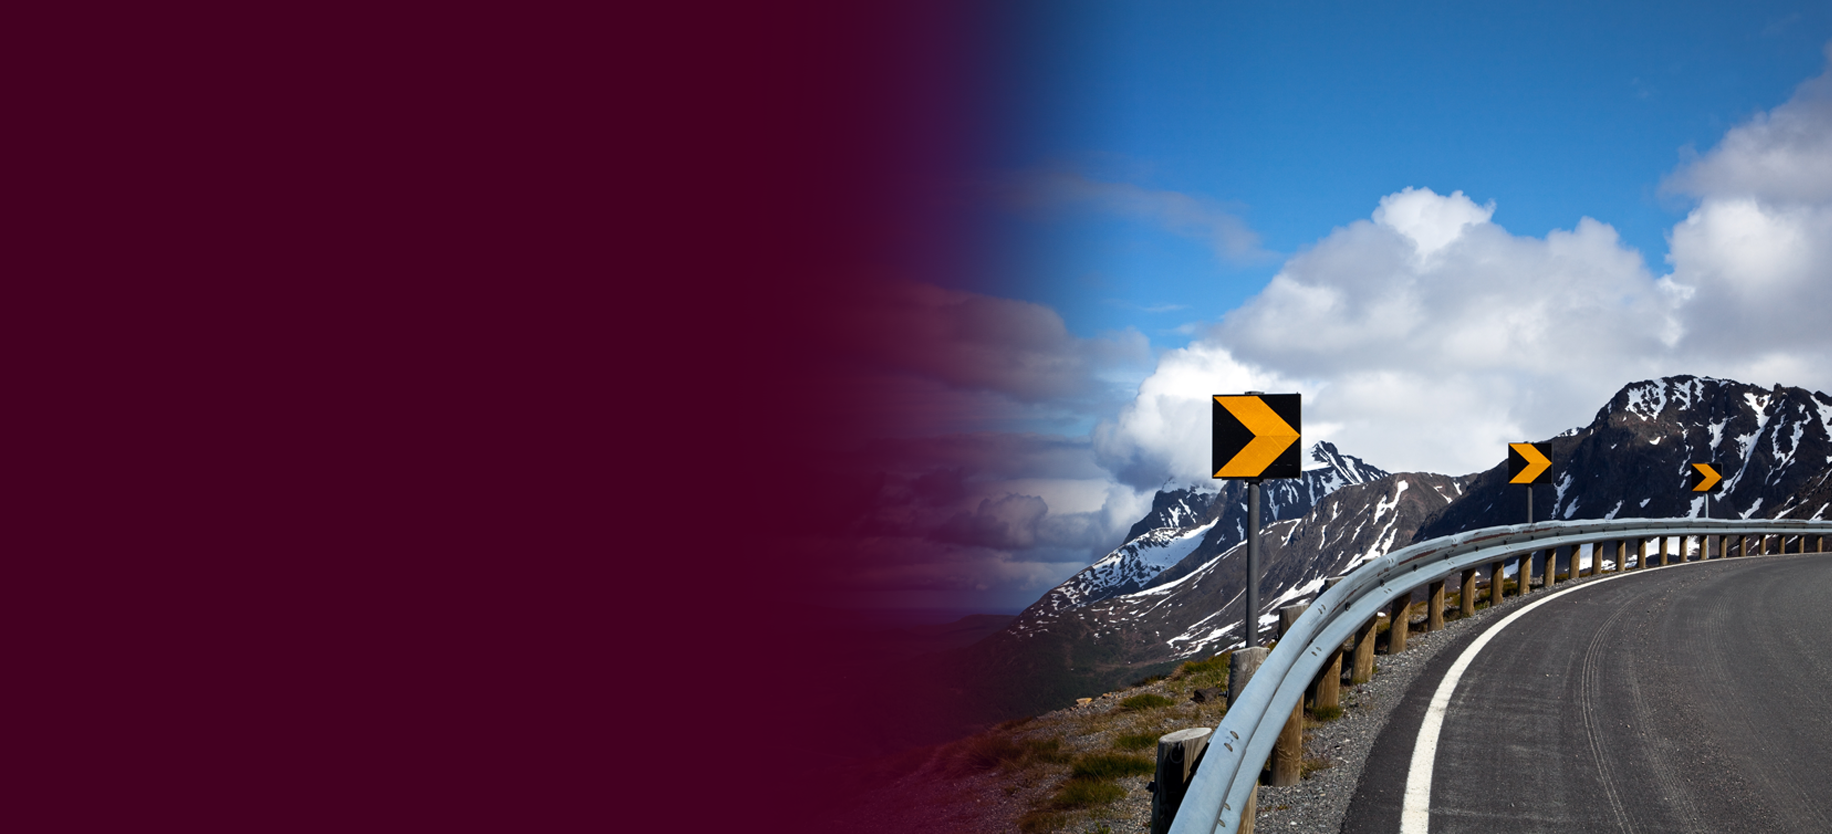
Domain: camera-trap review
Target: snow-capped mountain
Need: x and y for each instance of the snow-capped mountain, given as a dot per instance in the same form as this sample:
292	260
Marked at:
1137	612
1181	521
1772	445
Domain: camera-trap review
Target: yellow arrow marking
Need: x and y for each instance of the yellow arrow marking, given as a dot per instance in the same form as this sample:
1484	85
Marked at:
1711	477
1536	463
1271	437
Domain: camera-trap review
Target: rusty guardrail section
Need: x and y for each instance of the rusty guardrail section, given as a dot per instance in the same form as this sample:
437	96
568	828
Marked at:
1218	793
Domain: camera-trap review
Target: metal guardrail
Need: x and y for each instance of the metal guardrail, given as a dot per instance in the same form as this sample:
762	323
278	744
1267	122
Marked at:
1218	793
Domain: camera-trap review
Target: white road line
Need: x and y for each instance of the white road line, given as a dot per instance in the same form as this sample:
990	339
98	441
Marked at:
1415	810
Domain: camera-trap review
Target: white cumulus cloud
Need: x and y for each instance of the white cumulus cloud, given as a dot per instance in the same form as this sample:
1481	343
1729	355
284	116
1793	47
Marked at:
1756	253
1426	337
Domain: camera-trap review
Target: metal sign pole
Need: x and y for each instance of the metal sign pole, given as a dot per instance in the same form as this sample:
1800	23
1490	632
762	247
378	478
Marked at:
1253	562
1529	503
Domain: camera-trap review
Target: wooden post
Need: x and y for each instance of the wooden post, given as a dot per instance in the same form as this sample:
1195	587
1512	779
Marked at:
1641	553
1435	621
1663	552
1495	580
1466	598
1241	666
1524	573
1178	755
1621	555
1550	567
1288	617
1397	617
1364	653
1329	686
1288	751
1326	690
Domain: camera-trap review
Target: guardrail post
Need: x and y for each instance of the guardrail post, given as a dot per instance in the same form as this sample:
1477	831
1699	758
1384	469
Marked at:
1523	572
1495	580
1364	652
1178	755
1663	552
1241	666
1549	568
1329	684
1397	619
1621	555
1466	596
1435	621
1288	752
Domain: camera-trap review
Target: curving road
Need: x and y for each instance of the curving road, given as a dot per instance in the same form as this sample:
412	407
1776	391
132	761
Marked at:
1691	698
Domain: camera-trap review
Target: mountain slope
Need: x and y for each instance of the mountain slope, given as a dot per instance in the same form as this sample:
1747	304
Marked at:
1196	523
1129	615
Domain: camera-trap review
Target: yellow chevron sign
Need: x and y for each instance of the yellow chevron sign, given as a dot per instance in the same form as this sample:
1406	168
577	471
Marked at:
1256	436
1529	463
1705	478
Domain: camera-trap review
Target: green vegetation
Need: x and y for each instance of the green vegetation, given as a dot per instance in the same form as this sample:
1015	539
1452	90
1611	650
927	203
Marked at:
1102	766
1149	700
997	750
1086	793
1138	741
1324	715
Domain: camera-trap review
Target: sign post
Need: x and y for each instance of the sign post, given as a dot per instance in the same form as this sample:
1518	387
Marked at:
1529	463
1705	479
1255	437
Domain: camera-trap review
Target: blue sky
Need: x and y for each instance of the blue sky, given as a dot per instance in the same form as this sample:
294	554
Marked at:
1447	226
1297	118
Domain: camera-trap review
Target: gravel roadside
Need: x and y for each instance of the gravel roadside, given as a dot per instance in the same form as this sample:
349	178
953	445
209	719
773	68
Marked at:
934	796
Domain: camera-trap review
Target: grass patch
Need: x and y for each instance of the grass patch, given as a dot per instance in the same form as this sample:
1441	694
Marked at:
1112	766
1086	793
1048	750
1324	715
1137	741
1149	700
1218	663
987	752
1042	822
994	751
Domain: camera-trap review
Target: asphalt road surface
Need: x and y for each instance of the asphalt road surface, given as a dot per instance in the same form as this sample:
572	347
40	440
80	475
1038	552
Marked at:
1691	698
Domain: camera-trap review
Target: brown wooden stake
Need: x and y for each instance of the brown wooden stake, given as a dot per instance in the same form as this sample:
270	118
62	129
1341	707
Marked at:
1288	617
1178	755
1364	652
1329	686
1288	751
1396	628
1466	597
1664	556
1241	666
1621	555
1435	621
1495	586
1550	567
1523	571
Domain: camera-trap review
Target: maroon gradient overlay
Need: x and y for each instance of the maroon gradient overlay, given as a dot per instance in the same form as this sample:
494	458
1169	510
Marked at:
415	407
838	137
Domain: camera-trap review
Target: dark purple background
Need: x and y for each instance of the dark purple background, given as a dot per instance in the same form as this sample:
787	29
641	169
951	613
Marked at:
365	361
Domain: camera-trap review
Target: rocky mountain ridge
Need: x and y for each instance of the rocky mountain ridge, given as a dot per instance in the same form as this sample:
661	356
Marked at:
1130	615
